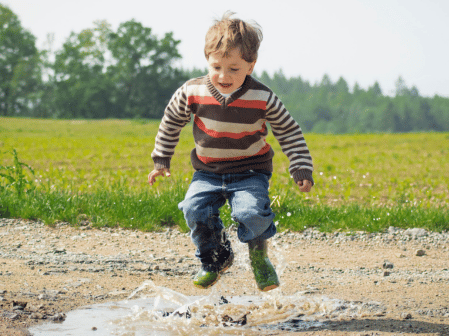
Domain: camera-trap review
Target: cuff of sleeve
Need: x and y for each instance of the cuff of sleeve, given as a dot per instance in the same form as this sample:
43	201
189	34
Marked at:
160	163
303	174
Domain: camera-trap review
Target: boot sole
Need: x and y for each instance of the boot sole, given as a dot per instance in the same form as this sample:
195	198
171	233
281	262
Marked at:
268	288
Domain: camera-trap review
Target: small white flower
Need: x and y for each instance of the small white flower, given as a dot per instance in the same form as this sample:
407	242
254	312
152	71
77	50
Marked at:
288	214
276	223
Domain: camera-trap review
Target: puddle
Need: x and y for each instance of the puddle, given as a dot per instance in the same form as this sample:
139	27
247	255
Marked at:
162	311
159	311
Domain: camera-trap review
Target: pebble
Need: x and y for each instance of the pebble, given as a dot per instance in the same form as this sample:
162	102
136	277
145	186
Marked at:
387	265
420	253
37	316
416	233
57	318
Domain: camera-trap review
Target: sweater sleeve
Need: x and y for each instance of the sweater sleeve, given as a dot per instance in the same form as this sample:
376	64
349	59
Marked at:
289	135
176	116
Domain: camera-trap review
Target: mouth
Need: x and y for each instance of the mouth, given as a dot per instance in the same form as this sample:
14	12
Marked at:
225	85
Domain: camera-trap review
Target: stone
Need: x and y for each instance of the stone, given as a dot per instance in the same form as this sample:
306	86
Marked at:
19	305
387	265
11	316
57	317
36	316
420	253
416	233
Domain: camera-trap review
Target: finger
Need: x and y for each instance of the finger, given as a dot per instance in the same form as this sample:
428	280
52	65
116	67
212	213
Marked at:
152	177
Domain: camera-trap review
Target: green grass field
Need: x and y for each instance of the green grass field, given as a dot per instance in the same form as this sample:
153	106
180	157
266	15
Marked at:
99	169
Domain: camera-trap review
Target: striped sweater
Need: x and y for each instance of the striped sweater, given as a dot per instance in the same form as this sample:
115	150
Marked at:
230	132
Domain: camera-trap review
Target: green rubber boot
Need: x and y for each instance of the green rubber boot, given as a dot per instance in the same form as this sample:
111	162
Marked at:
204	279
208	275
263	269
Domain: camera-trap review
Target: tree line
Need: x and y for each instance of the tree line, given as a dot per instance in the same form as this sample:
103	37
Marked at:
132	73
328	107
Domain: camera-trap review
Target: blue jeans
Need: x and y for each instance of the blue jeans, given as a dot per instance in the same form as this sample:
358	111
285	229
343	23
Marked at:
247	193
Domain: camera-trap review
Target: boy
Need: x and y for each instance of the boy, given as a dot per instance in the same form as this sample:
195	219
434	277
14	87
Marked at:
231	157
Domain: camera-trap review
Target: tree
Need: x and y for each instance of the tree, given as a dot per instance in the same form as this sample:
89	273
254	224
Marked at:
375	90
403	121
357	90
401	88
386	118
143	72
19	69
82	87
342	86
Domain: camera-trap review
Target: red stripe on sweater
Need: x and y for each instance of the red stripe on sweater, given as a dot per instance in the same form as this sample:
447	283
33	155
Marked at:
207	160
202	100
216	134
255	104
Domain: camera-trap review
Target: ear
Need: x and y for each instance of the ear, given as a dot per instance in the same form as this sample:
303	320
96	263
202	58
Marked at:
251	68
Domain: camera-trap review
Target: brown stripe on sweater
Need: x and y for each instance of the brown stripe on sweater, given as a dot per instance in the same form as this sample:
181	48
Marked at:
203	138
233	114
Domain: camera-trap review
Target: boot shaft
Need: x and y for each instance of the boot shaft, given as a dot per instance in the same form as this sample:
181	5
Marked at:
264	271
258	248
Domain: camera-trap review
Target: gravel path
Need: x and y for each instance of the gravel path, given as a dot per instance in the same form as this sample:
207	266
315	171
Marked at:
46	272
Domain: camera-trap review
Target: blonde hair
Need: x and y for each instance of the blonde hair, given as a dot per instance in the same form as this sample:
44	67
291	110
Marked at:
227	34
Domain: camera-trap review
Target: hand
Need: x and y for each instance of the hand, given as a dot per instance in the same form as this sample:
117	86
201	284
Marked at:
305	185
157	172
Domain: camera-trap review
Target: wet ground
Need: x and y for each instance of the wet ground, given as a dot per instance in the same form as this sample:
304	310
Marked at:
47	272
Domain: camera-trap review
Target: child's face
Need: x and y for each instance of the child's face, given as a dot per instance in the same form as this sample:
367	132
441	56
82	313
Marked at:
228	73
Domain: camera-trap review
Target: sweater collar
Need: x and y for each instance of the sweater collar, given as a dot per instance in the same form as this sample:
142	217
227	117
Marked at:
236	95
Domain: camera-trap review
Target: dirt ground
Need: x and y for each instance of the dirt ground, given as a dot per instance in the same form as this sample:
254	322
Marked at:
46	272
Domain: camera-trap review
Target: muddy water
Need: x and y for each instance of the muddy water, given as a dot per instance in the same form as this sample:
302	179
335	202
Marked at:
156	310
162	311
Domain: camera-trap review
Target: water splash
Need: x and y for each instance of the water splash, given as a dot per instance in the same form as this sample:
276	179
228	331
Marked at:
156	310
162	311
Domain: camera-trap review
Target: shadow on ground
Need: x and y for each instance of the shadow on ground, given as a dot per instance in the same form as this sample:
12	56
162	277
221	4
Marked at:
371	326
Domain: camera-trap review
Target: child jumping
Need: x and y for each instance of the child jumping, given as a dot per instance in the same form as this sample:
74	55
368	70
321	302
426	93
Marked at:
231	158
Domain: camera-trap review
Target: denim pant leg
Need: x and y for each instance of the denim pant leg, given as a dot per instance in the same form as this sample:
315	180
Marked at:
250	205
200	206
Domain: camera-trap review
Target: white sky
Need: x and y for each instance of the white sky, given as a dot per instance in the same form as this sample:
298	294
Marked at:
360	40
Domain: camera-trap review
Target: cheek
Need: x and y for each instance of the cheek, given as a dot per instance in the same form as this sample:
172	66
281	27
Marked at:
213	77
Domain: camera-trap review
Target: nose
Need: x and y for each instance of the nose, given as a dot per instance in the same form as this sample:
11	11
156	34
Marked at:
221	74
